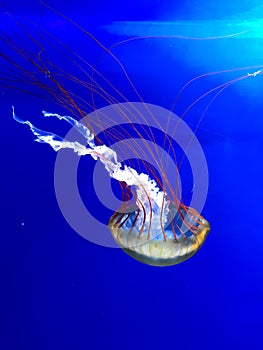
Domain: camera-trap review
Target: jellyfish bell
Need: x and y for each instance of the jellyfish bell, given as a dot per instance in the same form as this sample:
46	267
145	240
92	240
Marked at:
151	245
155	227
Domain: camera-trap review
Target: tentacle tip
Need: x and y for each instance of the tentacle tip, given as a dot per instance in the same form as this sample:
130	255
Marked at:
45	113
15	117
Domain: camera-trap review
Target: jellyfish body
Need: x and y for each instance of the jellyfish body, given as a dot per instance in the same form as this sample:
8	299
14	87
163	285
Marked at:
170	246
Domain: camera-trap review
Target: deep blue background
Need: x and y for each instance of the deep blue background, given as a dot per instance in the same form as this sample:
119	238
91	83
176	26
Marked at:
58	291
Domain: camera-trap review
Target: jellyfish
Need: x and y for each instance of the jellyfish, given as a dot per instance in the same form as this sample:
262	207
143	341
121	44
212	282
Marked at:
152	225
156	231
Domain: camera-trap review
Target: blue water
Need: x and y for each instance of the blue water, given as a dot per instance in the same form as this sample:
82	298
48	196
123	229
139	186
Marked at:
60	291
